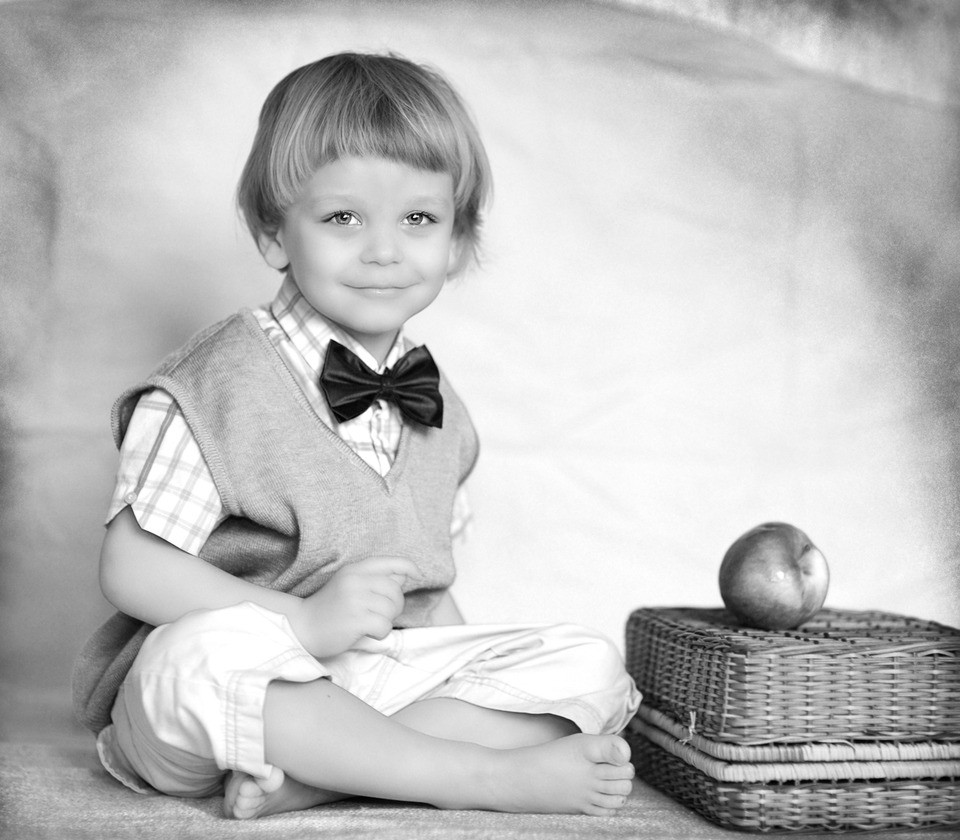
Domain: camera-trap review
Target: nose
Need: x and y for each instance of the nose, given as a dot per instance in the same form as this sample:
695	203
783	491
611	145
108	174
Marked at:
381	246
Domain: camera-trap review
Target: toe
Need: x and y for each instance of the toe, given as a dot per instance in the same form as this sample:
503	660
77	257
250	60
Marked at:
231	792
608	803
611	749
615	771
617	787
272	782
243	812
605	749
245	795
249	790
611	800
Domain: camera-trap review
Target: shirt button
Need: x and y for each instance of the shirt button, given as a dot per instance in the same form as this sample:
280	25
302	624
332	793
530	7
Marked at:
130	498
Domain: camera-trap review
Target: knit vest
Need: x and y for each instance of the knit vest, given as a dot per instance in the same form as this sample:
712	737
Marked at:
300	503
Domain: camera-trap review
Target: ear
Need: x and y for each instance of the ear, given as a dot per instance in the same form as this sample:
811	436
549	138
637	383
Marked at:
271	246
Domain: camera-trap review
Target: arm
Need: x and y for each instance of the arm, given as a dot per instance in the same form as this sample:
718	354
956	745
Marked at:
148	578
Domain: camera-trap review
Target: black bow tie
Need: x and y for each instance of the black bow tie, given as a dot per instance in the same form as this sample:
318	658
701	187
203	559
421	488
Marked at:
350	387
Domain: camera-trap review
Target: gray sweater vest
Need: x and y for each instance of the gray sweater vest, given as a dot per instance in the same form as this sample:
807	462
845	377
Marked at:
300	503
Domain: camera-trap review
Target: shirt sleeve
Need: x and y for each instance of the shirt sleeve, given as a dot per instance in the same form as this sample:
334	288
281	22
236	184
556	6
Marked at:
163	477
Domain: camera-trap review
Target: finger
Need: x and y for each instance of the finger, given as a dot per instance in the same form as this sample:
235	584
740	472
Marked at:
386	598
399	567
378	626
385	583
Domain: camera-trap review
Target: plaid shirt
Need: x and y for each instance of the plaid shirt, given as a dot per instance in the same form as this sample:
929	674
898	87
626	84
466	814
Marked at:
162	475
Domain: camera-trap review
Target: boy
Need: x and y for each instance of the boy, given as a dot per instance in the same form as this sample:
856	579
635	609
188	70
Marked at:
280	543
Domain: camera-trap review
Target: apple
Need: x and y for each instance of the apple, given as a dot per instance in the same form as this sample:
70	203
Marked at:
773	577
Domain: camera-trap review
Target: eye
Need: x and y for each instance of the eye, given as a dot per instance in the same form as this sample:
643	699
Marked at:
343	218
419	219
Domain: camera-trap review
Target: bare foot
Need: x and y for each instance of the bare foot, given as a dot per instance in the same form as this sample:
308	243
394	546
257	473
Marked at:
578	774
246	797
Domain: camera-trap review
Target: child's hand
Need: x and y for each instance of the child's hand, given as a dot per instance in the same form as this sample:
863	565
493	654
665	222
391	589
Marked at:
361	599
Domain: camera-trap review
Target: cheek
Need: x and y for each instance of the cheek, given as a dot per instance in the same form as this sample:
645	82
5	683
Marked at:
434	258
314	244
324	260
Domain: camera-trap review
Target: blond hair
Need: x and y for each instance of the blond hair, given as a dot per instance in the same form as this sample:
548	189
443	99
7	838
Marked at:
363	105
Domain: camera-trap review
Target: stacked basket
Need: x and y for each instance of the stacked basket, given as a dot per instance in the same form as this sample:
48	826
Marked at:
850	722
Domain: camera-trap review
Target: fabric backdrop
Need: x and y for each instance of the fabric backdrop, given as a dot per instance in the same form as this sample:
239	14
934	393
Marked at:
719	287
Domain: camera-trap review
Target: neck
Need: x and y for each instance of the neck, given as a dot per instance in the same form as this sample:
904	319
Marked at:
376	345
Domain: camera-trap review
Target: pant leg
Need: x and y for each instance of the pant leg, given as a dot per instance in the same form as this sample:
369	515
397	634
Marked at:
191	707
562	669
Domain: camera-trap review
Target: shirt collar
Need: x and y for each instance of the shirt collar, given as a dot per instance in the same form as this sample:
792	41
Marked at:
310	332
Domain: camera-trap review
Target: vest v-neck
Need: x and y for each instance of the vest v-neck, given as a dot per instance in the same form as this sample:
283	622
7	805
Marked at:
392	476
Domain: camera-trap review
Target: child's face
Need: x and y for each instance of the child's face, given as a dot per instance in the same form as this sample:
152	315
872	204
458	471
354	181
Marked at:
369	243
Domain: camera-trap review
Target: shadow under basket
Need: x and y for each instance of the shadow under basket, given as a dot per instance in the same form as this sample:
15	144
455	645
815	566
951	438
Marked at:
849	723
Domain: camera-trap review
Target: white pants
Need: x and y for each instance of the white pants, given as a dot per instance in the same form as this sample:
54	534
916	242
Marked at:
191	708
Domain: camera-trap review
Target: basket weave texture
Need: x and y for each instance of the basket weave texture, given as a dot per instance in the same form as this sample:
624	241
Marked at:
856	676
829	805
851	722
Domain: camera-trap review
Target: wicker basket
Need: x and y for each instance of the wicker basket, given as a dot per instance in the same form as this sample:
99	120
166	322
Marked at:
851	722
920	789
843	676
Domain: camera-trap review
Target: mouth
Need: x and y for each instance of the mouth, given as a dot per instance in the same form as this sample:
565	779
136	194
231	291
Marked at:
379	291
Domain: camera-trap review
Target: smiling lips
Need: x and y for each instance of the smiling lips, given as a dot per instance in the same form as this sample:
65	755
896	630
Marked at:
379	290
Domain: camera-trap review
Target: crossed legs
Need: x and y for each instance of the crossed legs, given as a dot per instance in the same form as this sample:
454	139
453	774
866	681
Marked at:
443	752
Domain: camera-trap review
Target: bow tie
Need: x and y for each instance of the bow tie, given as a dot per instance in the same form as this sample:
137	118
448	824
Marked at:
350	387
